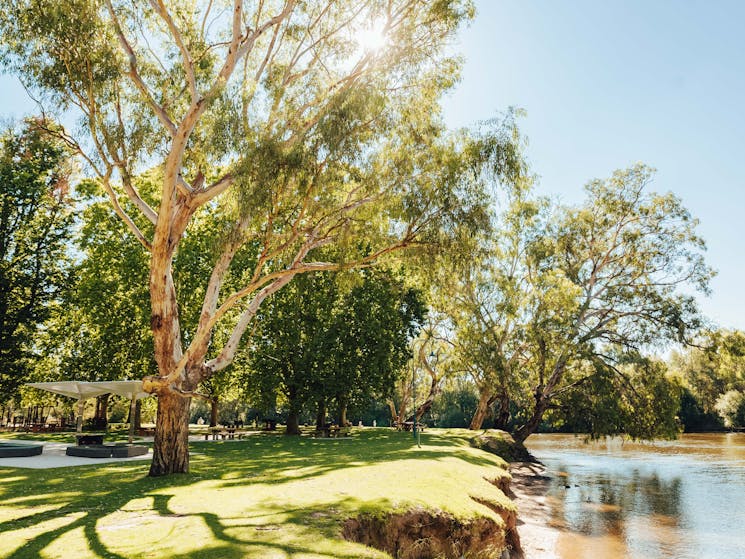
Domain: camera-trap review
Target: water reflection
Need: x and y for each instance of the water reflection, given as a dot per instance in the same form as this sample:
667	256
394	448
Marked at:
681	499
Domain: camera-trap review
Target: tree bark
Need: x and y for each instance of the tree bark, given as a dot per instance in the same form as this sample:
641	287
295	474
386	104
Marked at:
213	412
100	418
434	390
138	415
343	413
541	405
482	411
171	446
542	396
293	422
503	412
394	413
321	415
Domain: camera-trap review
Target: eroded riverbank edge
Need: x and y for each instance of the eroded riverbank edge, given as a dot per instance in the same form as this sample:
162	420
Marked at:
525	531
418	533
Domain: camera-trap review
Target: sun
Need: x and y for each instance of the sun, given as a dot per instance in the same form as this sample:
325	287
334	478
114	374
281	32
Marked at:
374	37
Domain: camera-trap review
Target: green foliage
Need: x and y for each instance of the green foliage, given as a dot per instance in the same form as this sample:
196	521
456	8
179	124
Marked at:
731	408
562	295
35	229
715	365
694	418
104	332
636	398
455	406
319	341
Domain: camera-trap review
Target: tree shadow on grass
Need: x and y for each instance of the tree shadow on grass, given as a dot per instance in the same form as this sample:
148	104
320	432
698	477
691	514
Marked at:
282	458
92	493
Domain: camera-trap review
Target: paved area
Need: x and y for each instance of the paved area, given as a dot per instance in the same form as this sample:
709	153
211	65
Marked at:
53	456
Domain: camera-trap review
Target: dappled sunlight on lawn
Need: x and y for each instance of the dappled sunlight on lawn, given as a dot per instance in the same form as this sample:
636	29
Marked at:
266	496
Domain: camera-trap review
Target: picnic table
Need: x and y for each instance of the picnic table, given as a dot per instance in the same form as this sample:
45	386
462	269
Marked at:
84	439
408	426
227	433
328	431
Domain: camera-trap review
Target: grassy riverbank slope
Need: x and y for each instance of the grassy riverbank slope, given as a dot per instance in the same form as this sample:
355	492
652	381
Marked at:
268	496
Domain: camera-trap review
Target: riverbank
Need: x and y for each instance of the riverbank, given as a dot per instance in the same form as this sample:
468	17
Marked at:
539	537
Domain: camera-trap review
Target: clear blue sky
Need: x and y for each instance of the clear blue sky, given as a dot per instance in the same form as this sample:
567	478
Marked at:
608	83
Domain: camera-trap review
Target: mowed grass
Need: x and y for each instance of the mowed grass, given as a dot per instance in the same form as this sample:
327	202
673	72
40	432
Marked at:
268	496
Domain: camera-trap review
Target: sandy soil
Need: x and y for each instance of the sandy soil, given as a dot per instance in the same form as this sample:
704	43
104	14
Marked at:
538	536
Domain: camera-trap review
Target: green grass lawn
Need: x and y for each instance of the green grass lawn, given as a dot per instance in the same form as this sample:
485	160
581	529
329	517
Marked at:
267	496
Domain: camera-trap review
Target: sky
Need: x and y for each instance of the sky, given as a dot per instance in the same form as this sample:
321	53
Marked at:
606	84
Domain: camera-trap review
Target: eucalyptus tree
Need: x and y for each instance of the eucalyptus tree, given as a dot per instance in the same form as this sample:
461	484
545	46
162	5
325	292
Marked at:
301	124
564	295
430	363
36	216
493	300
620	263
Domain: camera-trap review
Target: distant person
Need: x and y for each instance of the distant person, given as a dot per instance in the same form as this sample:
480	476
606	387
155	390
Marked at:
375	422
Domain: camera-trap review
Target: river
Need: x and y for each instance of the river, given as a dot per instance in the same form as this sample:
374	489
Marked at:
682	499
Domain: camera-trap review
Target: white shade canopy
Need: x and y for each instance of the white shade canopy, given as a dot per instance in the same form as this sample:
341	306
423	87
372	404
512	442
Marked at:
81	390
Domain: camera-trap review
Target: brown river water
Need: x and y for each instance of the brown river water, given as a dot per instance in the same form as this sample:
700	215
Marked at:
682	499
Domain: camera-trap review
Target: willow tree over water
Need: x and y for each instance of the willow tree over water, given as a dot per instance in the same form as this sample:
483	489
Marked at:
295	125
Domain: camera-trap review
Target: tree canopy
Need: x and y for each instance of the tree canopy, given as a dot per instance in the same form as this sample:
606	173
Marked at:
566	295
278	117
328	343
35	229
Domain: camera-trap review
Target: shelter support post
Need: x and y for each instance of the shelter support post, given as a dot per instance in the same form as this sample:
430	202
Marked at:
132	411
81	407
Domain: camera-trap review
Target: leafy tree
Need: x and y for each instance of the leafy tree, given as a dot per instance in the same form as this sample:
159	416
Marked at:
635	398
456	405
318	342
370	337
290	341
35	227
708	370
272	114
622	258
564	300
104	334
693	417
731	408
495	299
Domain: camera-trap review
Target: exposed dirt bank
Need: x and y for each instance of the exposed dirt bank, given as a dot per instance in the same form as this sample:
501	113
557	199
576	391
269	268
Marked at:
421	534
427	534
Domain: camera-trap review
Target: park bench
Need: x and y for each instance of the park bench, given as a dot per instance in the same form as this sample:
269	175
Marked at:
106	451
